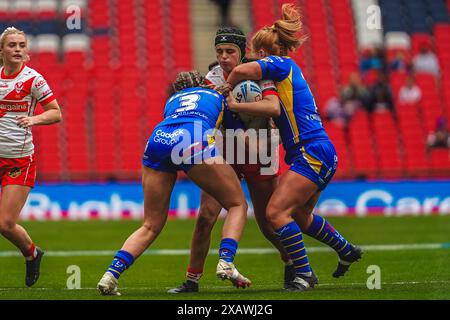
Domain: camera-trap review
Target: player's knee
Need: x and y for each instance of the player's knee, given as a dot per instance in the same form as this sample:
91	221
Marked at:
6	226
153	227
204	224
208	213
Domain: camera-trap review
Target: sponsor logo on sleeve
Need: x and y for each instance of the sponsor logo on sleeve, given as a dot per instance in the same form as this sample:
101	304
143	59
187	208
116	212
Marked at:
40	83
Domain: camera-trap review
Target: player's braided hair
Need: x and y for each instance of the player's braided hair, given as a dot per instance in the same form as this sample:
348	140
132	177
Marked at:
234	36
188	79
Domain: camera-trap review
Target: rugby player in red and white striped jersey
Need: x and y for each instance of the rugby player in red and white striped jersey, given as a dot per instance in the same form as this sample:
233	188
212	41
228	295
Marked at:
21	89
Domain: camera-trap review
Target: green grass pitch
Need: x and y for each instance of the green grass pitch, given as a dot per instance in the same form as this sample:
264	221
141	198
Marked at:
405	274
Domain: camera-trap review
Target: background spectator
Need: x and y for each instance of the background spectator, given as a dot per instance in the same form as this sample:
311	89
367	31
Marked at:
399	63
371	59
440	138
354	95
409	93
426	62
334	112
380	95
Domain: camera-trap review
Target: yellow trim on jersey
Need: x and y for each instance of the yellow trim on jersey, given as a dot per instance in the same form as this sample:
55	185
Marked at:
286	92
315	164
220	118
211	139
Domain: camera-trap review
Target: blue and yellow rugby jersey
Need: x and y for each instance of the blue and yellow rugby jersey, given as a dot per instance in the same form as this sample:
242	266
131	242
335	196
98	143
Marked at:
299	120
192	104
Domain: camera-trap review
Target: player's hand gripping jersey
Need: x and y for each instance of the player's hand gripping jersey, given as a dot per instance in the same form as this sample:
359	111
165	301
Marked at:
19	95
251	172
217	77
307	145
190	118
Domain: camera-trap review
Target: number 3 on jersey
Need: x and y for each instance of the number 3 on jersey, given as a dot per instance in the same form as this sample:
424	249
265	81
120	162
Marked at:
188	103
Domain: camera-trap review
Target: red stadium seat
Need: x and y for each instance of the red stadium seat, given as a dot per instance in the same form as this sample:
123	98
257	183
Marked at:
419	40
440	161
413	138
363	148
387	141
338	137
181	35
263	14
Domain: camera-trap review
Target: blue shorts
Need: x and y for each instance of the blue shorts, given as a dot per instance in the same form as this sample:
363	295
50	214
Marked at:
179	147
316	161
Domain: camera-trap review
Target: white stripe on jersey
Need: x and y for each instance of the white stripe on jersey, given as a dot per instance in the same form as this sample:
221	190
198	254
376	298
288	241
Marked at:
28	169
19	96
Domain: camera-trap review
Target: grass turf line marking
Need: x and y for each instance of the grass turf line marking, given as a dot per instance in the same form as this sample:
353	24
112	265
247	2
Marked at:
268	286
182	252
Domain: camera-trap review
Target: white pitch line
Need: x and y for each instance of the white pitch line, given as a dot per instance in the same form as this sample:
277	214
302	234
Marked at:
340	285
183	252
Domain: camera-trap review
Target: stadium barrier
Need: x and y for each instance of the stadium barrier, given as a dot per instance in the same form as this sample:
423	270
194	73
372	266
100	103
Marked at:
117	201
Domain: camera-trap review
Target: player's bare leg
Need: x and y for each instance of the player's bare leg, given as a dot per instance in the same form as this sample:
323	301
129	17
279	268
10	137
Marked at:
221	182
201	240
13	198
157	187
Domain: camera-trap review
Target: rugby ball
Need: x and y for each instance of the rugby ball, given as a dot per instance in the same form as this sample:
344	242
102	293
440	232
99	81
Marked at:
249	91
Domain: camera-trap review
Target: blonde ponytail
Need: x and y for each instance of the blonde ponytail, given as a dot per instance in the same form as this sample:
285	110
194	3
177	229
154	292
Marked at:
283	35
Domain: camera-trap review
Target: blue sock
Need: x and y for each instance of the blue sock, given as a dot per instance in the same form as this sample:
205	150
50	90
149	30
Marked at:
321	230
290	236
228	248
122	261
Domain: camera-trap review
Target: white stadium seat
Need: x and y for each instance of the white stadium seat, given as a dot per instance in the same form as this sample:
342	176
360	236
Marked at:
46	5
47	42
397	40
23	5
76	42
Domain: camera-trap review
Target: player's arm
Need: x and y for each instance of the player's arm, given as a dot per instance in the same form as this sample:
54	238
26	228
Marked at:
269	106
51	114
245	71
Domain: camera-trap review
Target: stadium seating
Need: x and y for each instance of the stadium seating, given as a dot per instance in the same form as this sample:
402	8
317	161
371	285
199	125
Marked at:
413	138
338	135
111	75
362	143
387	140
